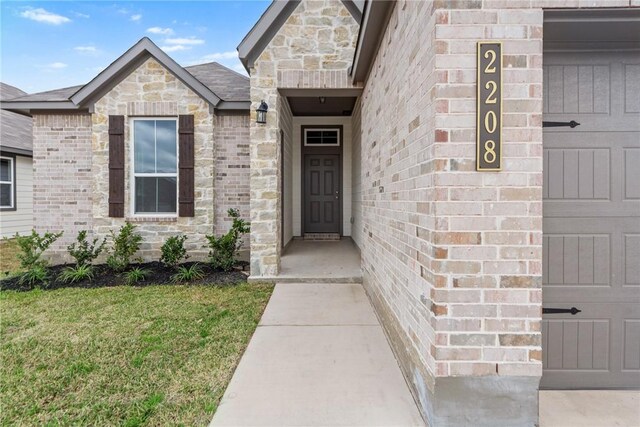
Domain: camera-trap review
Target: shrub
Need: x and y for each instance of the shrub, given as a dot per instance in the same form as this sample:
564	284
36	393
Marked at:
136	275
77	273
84	252
173	251
35	275
33	246
125	244
188	274
223	249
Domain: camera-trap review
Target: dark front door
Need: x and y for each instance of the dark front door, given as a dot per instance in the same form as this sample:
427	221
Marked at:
322	194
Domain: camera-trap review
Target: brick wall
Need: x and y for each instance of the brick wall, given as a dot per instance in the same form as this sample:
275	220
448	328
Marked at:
62	191
231	139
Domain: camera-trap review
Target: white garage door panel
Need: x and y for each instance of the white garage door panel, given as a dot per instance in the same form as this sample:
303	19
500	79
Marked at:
591	241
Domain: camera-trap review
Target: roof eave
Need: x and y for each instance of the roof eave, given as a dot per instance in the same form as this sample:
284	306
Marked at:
136	54
374	20
234	105
26	108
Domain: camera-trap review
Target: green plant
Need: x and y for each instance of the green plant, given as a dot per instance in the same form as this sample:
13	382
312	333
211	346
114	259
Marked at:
173	251
35	275
136	275
125	244
223	249
77	273
188	274
84	252
33	246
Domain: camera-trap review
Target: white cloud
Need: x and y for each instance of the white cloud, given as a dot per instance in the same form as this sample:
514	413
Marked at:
160	30
136	18
56	66
217	56
190	41
81	15
44	16
175	48
89	50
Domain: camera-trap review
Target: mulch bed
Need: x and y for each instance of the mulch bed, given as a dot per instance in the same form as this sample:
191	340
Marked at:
158	275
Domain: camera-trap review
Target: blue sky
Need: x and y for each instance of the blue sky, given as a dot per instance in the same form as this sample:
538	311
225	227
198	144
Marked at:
52	44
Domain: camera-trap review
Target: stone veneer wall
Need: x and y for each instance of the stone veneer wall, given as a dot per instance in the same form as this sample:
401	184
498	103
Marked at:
231	140
62	176
313	49
153	91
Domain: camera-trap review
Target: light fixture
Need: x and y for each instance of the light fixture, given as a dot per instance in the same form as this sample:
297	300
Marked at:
261	113
322	99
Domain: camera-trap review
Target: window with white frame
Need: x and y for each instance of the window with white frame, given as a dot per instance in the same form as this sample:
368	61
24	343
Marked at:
155	166
322	137
7	182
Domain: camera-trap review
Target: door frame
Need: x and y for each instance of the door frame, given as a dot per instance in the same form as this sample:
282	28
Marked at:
304	150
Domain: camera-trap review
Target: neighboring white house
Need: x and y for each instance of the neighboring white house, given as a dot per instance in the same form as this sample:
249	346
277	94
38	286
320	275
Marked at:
16	168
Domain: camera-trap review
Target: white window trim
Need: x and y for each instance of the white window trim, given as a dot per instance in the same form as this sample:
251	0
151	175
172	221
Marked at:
336	130
12	175
134	175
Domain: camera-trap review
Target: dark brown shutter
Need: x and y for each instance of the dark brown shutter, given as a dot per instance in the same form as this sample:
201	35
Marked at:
186	155
116	166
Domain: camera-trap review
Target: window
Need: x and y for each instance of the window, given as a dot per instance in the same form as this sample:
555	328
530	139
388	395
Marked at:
155	166
7	183
322	137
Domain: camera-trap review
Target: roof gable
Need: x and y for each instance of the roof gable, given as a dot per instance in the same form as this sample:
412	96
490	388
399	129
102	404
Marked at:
270	23
131	59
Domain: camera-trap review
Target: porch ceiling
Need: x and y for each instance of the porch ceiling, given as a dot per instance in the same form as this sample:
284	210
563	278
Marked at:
321	105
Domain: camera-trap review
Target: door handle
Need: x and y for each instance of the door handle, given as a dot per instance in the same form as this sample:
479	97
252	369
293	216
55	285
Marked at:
570	124
571	310
337	197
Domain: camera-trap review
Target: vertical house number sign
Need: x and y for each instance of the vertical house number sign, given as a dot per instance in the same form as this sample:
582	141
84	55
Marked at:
489	108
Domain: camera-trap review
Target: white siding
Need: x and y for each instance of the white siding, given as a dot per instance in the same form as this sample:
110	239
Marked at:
286	126
346	169
356	177
20	220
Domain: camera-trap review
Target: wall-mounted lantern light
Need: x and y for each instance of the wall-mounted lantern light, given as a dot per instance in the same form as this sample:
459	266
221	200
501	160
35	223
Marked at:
261	113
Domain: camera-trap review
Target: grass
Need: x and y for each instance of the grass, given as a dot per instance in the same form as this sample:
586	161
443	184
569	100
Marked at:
9	263
160	355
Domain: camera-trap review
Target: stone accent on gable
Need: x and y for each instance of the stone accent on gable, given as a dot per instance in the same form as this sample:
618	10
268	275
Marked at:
151	90
313	49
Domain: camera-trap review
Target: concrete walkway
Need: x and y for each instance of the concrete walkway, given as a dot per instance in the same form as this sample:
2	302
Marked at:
319	357
589	408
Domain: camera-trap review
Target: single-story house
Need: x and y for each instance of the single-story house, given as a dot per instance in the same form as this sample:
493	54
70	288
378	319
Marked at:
485	169
16	168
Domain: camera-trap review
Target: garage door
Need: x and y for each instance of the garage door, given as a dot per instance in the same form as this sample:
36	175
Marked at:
591	242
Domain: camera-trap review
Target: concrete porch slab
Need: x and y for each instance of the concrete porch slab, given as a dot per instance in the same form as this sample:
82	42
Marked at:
304	367
320	262
321	304
589	408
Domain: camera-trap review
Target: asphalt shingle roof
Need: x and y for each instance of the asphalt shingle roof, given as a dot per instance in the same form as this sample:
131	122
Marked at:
15	129
225	83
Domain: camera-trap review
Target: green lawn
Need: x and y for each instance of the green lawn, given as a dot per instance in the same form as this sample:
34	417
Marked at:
159	355
9	263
